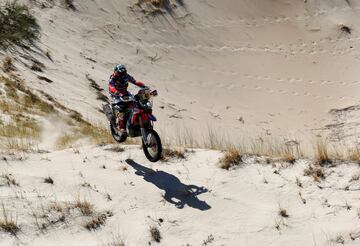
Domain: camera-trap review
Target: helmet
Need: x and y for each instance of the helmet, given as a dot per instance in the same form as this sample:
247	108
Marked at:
120	68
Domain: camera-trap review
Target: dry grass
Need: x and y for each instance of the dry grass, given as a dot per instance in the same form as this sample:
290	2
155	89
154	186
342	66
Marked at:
49	180
283	213
354	155
8	224
345	29
18	25
48	55
69	4
116	241
85	207
9	180
116	148
22	127
317	172
322	153
97	133
156	3
175	153
232	157
96	222
66	141
16	145
8	65
155	234
37	66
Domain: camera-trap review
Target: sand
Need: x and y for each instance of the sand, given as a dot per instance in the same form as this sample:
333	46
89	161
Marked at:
283	70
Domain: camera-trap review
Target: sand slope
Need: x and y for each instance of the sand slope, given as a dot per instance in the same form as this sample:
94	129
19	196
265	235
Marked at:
237	207
281	66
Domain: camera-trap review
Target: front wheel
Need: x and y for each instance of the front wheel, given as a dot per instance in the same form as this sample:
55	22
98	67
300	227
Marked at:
118	138
153	149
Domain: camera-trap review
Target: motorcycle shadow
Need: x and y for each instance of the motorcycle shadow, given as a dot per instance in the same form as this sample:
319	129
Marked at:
176	192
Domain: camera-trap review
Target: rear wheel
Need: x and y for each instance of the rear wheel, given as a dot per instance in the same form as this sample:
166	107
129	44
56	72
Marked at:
118	138
153	149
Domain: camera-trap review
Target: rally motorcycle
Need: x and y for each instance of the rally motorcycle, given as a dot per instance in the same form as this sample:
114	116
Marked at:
139	122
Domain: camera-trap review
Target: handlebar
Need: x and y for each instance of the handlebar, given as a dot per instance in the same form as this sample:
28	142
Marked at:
131	98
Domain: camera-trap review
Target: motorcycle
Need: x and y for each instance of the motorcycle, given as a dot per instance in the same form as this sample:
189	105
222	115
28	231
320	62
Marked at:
139	122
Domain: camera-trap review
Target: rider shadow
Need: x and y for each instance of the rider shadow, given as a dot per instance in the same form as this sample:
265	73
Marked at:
174	189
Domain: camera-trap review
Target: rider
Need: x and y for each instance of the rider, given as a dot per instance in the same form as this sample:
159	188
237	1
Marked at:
118	85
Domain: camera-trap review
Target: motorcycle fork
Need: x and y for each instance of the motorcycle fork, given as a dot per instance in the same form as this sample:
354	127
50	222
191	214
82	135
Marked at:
143	132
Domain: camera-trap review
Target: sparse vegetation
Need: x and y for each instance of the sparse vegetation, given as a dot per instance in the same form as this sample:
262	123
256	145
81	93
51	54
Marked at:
96	222
322	155
354	155
345	29
48	55
117	241
283	213
37	66
85	207
66	141
69	4
115	148
231	158
9	179
208	240
317	172
48	180
155	234
168	154
8	65
8	224
17	25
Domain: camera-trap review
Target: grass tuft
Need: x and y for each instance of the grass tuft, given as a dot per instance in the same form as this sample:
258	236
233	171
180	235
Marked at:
96	222
155	234
354	155
283	213
85	207
8	224
69	4
116	241
37	66
232	157
168	154
317	172
322	155
49	180
8	65
17	25
9	180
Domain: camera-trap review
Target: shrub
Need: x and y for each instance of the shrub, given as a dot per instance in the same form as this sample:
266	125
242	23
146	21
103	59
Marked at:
231	158
17	25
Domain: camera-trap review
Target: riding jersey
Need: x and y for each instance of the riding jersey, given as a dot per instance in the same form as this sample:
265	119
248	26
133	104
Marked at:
118	85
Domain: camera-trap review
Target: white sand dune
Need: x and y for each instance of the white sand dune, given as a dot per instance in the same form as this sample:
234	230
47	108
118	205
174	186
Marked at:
281	66
283	69
237	207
